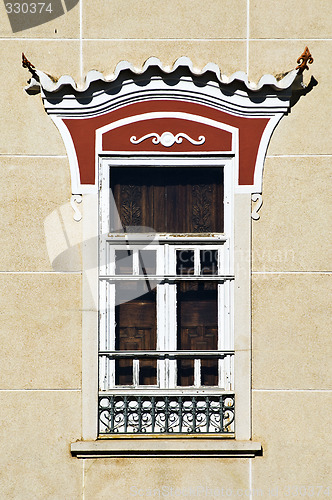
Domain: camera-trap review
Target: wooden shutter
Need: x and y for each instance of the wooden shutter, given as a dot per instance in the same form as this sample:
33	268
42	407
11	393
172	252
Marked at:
173	200
136	330
197	330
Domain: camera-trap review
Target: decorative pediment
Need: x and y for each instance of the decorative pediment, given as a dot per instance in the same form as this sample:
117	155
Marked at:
166	112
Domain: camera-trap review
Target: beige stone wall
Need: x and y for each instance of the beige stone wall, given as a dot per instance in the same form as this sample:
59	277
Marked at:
40	260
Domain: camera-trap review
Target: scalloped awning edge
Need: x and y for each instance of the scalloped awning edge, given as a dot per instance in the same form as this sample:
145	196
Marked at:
49	84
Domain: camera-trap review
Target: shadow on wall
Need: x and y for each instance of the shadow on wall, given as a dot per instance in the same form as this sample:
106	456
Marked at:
25	15
63	240
298	93
64	243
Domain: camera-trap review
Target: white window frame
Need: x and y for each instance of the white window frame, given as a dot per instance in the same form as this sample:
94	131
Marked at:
166	293
238	226
166	314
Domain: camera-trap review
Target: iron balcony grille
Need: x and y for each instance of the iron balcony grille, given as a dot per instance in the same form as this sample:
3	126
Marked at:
166	414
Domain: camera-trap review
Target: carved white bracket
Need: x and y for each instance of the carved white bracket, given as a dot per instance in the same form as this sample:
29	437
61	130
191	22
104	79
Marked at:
258	199
167	139
78	199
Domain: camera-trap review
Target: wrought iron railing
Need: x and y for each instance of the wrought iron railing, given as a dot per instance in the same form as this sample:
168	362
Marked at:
166	414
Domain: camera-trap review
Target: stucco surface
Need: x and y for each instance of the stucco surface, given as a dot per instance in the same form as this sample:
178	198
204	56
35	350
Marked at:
105	54
40	301
180	19
127	478
291	331
35	461
293	232
65	26
303	130
37	229
28	130
290	19
291	426
40	331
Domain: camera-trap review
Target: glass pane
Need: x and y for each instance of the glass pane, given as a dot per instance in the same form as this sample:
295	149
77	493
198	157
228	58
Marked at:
123	262
123	372
185	376
135	330
209	371
197	329
185	262
147	262
127	291
209	262
147	371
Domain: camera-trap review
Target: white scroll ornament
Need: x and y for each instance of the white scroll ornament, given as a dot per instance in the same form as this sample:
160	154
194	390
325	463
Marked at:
167	139
78	199
258	199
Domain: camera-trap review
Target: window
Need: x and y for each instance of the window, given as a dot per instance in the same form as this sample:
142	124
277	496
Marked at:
166	352
165	141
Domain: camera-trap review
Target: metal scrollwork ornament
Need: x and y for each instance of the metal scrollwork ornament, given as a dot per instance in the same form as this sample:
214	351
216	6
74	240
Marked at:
304	59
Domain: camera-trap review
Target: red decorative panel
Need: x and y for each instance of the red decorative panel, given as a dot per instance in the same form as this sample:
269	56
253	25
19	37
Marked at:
190	135
83	133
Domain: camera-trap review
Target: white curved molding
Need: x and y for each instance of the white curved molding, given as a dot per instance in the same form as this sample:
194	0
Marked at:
167	139
258	200
236	103
78	199
51	85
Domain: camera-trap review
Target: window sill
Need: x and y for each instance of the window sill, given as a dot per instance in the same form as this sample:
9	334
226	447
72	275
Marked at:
162	447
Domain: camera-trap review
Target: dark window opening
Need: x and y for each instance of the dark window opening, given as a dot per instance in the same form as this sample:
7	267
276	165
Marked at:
197	321
173	200
135	330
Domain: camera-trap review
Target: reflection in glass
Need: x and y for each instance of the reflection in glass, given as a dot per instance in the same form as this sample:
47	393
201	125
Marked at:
147	262
209	262
197	329
185	262
135	330
123	262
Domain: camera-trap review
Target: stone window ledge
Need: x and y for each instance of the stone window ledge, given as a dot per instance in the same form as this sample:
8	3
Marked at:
153	447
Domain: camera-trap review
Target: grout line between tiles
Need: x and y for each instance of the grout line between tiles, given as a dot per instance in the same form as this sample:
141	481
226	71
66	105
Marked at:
291	272
291	39
42	272
292	390
32	156
241	39
250	479
81	39
42	39
248	34
40	390
83	479
300	156
122	39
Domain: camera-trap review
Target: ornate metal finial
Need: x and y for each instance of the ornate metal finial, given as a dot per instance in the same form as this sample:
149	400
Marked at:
27	64
304	59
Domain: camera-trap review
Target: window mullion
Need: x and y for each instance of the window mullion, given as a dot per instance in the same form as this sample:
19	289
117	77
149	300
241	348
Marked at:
161	325
170	314
197	372
221	335
136	372
171	333
228	333
103	362
111	332
197	262
225	341
136	262
161	316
